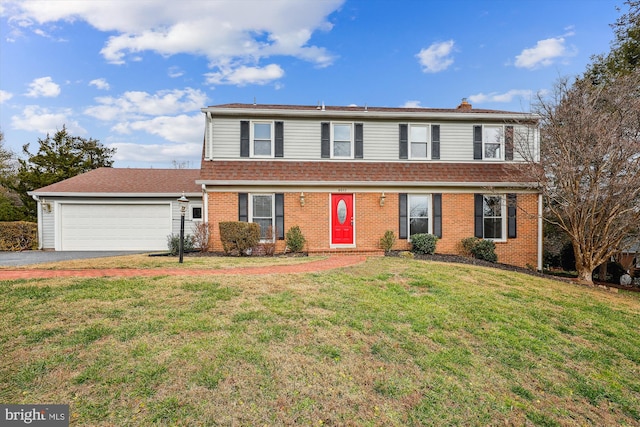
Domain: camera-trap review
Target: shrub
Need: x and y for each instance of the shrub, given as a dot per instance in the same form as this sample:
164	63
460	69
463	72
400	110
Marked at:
295	240
387	241
238	237
18	236
173	243
423	243
479	249
201	233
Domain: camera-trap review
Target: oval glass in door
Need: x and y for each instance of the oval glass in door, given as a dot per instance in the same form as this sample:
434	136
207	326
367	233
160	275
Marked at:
342	212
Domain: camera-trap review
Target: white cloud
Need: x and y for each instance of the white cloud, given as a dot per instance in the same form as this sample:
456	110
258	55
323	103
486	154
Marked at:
43	86
101	84
411	104
180	128
506	97
138	104
242	76
5	96
38	119
175	72
436	57
226	32
544	53
156	153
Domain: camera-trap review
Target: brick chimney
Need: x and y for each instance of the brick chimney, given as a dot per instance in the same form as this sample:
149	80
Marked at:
464	105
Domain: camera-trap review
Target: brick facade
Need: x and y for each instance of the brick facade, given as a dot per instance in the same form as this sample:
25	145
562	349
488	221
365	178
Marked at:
372	220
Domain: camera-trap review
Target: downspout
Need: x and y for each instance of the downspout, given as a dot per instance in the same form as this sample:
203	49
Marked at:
540	233
205	202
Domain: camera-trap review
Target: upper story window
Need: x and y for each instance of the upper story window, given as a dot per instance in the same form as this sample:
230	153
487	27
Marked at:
492	142
262	139
341	141
419	141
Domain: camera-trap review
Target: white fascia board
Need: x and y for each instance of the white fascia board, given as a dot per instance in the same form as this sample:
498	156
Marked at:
360	115
365	184
111	195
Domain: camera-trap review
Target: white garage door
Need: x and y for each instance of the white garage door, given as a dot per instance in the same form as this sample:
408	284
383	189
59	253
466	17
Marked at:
87	227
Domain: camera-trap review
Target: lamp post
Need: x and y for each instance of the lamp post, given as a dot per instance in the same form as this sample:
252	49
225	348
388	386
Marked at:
184	202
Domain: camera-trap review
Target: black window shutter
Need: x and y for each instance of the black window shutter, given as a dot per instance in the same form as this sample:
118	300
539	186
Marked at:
512	226
359	140
280	216
279	139
404	141
325	147
508	143
478	204
402	231
437	215
435	142
244	138
477	142
243	207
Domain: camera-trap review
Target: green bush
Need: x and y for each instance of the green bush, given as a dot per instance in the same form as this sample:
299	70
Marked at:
173	243
479	249
238	236
387	241
423	243
18	236
295	240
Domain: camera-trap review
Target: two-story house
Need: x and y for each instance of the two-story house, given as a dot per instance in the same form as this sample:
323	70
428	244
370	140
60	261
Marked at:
345	175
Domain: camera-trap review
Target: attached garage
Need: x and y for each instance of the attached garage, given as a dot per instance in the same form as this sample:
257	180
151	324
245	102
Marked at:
109	209
85	227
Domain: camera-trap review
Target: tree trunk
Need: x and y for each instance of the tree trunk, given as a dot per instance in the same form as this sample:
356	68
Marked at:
585	276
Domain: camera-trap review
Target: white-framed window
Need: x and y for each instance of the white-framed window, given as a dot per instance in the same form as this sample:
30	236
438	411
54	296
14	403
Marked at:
196	212
419	141
494	217
262	139
418	214
262	212
493	142
342	140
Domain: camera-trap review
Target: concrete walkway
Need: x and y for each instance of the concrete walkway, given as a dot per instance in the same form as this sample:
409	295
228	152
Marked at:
307	267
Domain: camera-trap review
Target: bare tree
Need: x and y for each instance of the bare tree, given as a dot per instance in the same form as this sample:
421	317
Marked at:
589	169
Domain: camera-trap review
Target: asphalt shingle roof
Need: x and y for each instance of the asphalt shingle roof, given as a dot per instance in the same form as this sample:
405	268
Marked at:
128	181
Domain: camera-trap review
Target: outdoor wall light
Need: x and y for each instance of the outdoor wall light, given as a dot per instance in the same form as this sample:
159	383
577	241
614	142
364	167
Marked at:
382	198
302	199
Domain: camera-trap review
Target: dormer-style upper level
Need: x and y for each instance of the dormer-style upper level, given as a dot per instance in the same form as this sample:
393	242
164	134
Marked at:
324	133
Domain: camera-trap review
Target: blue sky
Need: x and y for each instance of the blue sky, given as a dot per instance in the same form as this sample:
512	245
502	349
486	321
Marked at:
134	74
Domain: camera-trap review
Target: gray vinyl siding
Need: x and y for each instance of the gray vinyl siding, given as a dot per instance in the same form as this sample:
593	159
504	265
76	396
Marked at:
381	139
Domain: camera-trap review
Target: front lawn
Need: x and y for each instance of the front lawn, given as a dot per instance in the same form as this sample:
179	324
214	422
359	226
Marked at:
388	342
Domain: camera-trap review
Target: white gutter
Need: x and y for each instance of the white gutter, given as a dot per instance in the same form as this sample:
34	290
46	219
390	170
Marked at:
374	184
84	194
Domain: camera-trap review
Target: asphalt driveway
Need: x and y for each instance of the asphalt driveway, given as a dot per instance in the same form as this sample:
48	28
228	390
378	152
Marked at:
14	259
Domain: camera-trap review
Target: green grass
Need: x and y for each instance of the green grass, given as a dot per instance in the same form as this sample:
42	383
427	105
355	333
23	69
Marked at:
391	342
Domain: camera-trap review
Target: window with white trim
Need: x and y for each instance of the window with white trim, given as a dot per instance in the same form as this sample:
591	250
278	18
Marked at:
493	142
196	212
342	140
419	206
262	139
262	212
419	141
494	217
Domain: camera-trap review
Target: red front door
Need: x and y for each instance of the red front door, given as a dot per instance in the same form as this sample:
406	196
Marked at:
342	219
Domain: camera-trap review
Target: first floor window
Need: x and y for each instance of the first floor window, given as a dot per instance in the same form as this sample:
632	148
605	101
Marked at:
196	213
262	214
419	214
493	217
